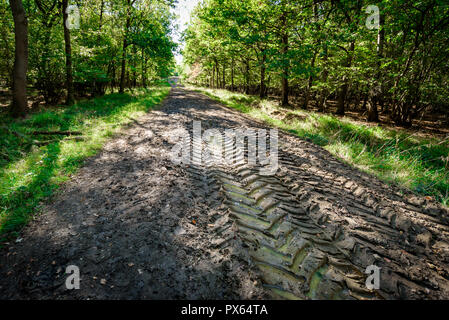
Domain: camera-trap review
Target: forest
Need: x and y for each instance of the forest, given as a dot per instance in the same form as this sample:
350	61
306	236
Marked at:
66	51
224	150
378	57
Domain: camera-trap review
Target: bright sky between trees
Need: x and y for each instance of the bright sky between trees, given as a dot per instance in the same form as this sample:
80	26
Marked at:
182	10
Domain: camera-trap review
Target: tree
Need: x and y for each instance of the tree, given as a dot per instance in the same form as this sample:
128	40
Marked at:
125	43
19	90
64	64
47	49
315	51
285	62
376	91
68	53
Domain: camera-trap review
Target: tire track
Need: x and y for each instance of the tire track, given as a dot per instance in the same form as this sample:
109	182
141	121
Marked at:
296	257
315	226
397	233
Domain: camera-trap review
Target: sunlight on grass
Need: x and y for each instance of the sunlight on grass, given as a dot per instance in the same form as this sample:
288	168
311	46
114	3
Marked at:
30	174
419	164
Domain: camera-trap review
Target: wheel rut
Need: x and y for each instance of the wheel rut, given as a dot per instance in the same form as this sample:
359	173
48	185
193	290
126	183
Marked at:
314	227
296	257
141	227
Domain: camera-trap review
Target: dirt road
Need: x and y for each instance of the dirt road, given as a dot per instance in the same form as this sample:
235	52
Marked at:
140	227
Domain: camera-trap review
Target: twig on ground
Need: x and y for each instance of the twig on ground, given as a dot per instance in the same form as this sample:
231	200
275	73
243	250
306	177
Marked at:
61	133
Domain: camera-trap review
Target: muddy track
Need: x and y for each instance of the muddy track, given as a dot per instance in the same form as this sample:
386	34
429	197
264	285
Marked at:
307	232
296	257
314	227
403	234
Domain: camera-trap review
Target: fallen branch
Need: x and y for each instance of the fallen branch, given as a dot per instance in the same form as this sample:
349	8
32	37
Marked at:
57	133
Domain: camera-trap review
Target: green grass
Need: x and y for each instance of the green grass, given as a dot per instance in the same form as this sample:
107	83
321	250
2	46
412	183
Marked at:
30	175
416	163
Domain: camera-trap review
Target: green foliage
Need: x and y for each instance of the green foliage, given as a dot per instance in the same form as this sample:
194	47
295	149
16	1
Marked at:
97	45
325	50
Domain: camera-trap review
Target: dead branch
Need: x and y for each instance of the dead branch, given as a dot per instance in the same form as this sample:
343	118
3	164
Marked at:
57	133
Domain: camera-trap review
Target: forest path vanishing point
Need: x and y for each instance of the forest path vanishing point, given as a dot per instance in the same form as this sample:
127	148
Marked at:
140	227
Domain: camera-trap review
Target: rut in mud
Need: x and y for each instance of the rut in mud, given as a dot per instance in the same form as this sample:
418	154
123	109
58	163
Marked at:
140	227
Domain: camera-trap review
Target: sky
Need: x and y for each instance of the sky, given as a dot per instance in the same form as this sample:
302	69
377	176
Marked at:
182	10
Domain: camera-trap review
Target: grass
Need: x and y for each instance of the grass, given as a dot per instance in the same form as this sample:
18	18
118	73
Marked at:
30	175
418	164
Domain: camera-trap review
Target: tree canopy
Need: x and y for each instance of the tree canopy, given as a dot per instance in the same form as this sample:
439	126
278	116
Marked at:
83	47
388	54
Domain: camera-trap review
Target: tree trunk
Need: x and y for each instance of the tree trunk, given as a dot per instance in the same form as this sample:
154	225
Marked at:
101	20
312	64
68	55
218	76
324	92
309	84
262	92
134	64
365	102
19	81
113	78
223	85
101	15
144	69
285	73
342	99
344	88
399	108
125	45
267	85
232	75
123	72
247	76
373	113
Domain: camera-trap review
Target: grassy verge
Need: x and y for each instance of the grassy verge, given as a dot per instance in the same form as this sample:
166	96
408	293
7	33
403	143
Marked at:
395	156
32	167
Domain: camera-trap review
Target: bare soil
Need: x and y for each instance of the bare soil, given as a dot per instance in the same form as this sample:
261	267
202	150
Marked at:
140	227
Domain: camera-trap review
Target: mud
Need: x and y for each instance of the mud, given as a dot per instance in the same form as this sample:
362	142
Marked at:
140	227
